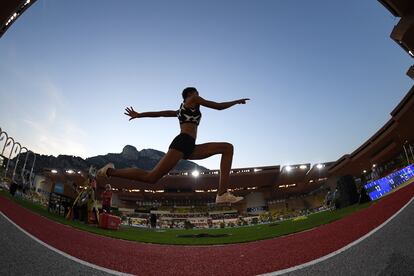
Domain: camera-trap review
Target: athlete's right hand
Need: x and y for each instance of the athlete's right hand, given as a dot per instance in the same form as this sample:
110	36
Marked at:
131	113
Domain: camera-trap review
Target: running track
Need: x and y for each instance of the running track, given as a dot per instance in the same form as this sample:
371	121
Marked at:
238	259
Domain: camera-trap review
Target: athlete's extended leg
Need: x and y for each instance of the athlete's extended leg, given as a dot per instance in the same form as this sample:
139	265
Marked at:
209	149
167	163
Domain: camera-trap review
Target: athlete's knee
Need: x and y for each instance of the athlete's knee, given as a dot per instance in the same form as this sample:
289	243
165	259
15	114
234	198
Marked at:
228	148
152	178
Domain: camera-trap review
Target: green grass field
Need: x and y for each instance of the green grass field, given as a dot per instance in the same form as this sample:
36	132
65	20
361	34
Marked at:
169	236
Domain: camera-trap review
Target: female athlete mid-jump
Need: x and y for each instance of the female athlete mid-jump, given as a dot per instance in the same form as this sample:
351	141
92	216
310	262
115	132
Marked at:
183	146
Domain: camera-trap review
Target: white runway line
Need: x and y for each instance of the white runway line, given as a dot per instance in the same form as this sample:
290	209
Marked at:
110	271
321	259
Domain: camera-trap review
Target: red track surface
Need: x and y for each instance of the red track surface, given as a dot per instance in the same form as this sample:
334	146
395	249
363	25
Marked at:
237	259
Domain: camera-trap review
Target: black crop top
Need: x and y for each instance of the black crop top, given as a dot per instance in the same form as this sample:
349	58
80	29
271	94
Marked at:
189	115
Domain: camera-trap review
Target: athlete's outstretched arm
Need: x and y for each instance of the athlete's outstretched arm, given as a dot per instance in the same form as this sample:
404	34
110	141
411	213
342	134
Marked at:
152	114
214	105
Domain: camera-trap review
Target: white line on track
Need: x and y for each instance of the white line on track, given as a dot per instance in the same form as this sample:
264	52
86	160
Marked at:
321	259
114	272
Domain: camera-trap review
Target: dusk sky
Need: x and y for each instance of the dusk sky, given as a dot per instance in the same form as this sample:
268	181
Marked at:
323	76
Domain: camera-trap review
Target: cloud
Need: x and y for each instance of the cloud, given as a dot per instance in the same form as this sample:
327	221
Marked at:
53	131
39	117
56	138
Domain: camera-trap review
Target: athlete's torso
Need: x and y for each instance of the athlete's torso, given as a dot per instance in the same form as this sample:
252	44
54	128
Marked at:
189	119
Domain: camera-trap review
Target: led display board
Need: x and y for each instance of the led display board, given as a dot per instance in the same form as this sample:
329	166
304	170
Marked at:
382	186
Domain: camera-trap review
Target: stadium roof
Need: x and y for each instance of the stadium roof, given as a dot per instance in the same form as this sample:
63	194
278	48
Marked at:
403	31
10	10
398	8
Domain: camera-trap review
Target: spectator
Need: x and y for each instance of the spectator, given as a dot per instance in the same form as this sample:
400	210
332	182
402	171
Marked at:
13	188
374	174
153	220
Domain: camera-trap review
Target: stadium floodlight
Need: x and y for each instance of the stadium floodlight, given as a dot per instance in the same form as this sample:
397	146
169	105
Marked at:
320	166
288	168
195	173
364	171
69	171
374	165
303	167
257	170
54	171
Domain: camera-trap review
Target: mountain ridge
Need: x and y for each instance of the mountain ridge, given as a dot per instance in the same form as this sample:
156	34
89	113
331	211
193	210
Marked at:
129	157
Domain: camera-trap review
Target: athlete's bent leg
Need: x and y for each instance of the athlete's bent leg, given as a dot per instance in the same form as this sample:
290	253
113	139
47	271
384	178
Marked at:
209	149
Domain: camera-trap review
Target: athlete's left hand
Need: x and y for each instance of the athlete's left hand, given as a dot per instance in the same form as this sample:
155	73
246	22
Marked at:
131	113
243	101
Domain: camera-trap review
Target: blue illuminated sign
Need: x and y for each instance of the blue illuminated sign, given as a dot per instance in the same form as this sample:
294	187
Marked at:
59	188
380	187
